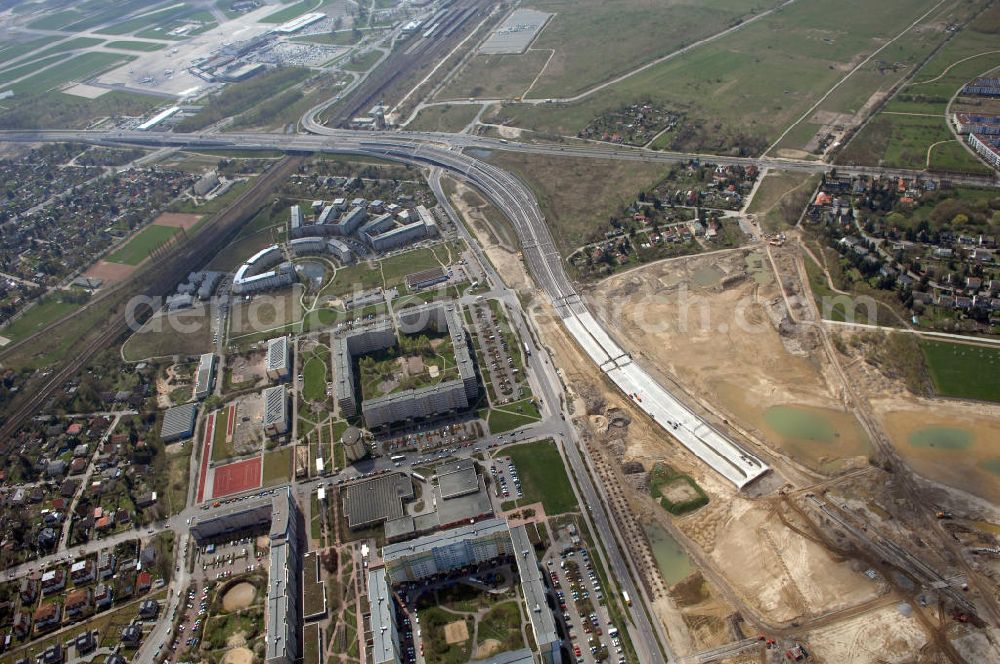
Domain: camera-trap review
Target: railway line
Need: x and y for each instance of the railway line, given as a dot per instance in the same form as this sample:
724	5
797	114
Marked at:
431	45
160	278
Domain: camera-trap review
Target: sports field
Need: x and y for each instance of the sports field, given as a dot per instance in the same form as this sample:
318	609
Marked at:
740	92
237	477
142	244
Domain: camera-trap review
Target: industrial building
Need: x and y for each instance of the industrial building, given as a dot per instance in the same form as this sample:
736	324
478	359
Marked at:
205	376
445	397
447	550
178	422
276	419
158	118
278	362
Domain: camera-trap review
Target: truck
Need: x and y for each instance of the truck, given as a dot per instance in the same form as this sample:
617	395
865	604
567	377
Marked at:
628	600
527	350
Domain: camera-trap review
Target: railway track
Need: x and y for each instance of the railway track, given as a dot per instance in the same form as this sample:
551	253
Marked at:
407	57
169	270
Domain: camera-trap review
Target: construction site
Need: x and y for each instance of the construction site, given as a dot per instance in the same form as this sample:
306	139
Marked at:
848	550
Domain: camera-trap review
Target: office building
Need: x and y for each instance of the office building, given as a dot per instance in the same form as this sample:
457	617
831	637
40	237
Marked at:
205	376
276	420
447	550
278	362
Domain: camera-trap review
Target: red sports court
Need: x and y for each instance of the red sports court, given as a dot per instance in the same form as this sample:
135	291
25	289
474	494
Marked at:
237	477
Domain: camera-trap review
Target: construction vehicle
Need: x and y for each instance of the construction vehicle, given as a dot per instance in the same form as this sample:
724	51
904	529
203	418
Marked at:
945	515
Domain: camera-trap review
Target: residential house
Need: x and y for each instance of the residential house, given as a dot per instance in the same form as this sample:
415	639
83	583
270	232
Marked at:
53	654
131	636
29	590
143	582
148	609
22	624
103	596
106	564
83	571
78	602
53	581
47	615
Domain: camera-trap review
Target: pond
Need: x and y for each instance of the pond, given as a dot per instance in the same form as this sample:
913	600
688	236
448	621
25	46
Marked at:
673	563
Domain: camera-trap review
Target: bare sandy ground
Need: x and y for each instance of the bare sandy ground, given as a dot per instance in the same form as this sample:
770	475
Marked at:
177	220
110	273
879	636
727	342
456	632
238	597
238	656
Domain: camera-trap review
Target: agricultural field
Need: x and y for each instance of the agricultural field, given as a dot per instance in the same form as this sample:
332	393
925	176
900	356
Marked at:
739	93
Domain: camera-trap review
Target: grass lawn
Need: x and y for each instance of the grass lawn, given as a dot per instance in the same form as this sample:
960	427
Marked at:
129	45
289	12
147	20
543	476
362	62
781	197
142	244
16	50
395	269
26	69
220	448
512	416
450	118
433	620
77	68
38	317
339	38
277	466
314	375
737	93
55	20
962	370
176	333
495	76
502	623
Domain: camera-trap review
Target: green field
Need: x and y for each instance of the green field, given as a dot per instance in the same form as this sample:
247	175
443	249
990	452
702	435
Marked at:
543	476
55	109
239	97
38	317
290	12
277	466
362	62
19	71
450	118
221	449
128	45
781	197
892	139
142	244
495	76
577	195
314	374
78	68
963	371
738	93
74	44
512	416
16	50
595	40
56	20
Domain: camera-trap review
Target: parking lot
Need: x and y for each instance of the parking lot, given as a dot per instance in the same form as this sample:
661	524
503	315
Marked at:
497	359
507	484
590	635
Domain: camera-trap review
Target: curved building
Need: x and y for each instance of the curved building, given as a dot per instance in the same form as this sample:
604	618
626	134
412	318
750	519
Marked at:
354	444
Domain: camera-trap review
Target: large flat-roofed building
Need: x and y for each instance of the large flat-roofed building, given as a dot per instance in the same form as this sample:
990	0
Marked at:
385	634
543	625
178	422
296	218
244	283
276	420
237	517
457	478
448	396
447	550
340	249
205	376
283	614
426	278
376	500
278	361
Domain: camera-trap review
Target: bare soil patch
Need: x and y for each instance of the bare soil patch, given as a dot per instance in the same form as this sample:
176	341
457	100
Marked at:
239	597
456	632
238	656
110	273
486	648
884	635
177	220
